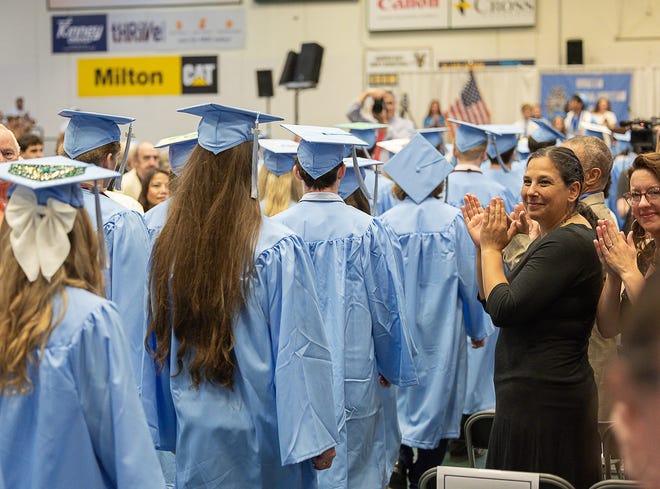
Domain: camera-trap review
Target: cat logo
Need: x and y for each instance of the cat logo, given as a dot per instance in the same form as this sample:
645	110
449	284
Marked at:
199	74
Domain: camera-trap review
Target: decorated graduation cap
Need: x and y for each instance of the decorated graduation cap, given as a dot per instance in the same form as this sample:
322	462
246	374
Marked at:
42	209
179	148
468	135
596	130
223	127
418	168
393	146
364	130
433	134
545	132
279	155
349	183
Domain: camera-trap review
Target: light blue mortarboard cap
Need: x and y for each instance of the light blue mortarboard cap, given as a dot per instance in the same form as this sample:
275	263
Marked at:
596	130
54	177
179	148
349	183
467	135
90	130
223	127
322	148
279	154
364	130
433	134
545	132
503	138
418	168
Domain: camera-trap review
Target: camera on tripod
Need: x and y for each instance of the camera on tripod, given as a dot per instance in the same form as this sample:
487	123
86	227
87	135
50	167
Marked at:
643	133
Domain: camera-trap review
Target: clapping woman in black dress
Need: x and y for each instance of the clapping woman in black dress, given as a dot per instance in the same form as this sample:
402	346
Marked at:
546	399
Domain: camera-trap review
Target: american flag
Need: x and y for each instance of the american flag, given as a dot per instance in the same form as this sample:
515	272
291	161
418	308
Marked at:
469	106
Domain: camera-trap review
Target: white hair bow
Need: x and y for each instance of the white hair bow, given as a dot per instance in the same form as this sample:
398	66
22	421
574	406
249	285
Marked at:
39	233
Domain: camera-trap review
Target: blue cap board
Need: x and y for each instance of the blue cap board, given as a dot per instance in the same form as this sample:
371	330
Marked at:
90	130
367	131
349	183
418	168
596	130
468	135
279	154
433	134
545	132
503	137
54	177
179	148
222	127
393	146
322	148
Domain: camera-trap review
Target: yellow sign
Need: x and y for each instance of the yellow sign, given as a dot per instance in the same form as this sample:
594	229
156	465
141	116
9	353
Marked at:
103	77
388	79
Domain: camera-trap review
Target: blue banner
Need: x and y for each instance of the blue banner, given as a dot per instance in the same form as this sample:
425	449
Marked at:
556	90
79	33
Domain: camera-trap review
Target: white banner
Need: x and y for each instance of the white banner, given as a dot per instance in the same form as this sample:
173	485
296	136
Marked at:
492	13
401	15
83	4
405	15
398	60
176	31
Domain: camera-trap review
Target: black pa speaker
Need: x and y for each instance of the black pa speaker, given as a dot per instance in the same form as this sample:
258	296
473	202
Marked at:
308	67
574	52
289	69
265	83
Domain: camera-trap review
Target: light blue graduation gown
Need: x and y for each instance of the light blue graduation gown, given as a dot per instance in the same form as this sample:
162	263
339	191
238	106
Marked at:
512	180
621	163
279	414
385	200
82	426
127	249
361	293
442	307
481	362
155	219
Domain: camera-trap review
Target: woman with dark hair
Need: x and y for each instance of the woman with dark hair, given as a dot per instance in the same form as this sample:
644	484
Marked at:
70	415
155	189
546	399
244	385
629	260
576	116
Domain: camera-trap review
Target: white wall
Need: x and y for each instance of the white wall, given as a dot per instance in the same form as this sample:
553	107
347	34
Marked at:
48	82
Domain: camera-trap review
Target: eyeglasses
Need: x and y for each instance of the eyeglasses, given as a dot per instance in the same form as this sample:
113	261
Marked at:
652	195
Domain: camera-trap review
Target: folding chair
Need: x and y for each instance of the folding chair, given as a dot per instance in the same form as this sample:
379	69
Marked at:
546	481
611	454
615	484
477	433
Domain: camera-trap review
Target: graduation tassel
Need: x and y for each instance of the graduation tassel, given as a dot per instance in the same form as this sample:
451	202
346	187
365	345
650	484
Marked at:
254	189
375	205
103	256
115	184
499	157
358	175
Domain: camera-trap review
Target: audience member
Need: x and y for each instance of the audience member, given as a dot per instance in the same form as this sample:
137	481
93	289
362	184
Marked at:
357	265
156	189
70	415
629	260
434	117
244	386
146	159
545	307
441	307
558	124
526	123
32	146
9	151
634	383
383	110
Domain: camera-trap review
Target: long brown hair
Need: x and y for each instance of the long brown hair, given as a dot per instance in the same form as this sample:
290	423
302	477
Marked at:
26	310
202	262
278	191
645	247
